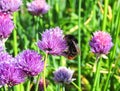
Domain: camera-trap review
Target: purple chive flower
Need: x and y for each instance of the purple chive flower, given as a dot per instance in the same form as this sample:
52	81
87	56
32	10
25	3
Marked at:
9	6
10	75
6	26
63	75
5	57
38	7
30	62
52	41
101	42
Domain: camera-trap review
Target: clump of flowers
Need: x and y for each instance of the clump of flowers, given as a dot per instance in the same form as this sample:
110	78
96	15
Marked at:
6	26
38	7
30	62
9	6
52	41
101	42
63	75
10	74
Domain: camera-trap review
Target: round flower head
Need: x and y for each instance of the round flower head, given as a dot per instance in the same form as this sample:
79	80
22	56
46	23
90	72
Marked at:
30	62
9	6
10	75
38	7
101	42
63	75
6	26
52	41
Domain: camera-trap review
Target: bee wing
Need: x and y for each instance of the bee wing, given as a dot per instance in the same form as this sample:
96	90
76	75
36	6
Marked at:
77	48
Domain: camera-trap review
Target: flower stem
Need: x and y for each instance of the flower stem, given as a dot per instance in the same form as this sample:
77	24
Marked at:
15	35
28	85
17	87
63	87
5	87
105	15
9	88
2	89
38	79
45	71
76	86
79	44
97	75
58	89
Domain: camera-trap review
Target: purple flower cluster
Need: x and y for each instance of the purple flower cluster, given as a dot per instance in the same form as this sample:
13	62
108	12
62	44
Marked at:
10	74
63	75
52	41
14	70
38	7
9	6
6	26
101	42
30	62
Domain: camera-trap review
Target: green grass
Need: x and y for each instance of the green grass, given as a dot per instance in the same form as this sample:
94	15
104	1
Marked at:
80	18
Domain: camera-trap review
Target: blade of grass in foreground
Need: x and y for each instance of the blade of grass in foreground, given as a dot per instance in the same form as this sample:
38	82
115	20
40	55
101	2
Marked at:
105	15
79	44
17	87
114	50
15	35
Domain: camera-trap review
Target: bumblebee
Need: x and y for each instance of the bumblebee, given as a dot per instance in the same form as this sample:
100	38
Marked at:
72	47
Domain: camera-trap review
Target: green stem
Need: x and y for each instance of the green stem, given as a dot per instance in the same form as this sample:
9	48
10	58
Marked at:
79	44
15	35
76	86
61	87
45	63
17	87
21	87
97	76
105	15
58	89
28	85
5	87
2	89
38	80
9	88
54	62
